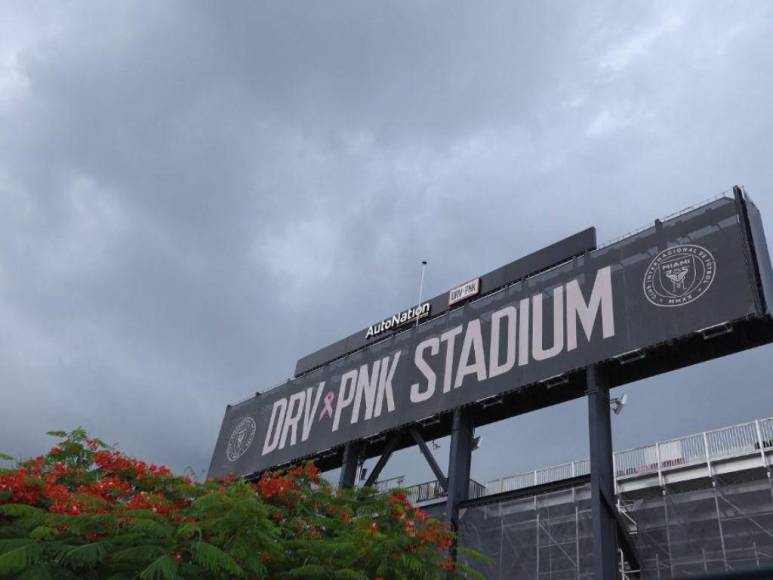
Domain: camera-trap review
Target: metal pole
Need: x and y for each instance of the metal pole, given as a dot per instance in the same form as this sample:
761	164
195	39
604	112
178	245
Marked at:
761	444
421	286
459	459
537	541
502	532
576	533
604	523
668	531
719	524
349	466
770	483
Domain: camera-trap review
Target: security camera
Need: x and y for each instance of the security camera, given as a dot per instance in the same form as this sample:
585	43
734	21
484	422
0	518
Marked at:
618	403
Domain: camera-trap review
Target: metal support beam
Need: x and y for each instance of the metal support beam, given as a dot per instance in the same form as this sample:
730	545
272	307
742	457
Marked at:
751	250
667	521
391	443
627	545
349	465
604	523
719	525
459	460
429	457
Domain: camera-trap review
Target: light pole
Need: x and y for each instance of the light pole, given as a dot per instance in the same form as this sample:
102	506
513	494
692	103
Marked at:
421	286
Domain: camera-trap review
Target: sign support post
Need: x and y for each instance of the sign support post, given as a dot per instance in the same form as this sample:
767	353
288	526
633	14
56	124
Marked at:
349	466
602	481
459	460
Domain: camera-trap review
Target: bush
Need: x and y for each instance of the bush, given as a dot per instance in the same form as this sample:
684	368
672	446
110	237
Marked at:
85	510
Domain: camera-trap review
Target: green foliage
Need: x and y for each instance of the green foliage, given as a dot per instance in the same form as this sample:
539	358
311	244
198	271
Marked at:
162	568
85	556
86	511
17	556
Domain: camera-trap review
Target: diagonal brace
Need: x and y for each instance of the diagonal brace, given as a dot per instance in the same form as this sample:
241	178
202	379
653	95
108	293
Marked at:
389	448
624	540
442	480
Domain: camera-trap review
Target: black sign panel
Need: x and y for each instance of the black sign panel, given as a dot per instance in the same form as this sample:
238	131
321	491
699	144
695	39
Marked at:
678	277
521	268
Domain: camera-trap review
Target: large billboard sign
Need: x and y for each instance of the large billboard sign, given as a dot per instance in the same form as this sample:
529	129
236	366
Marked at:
683	275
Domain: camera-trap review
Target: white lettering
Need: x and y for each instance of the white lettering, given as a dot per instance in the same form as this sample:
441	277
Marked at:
473	344
449	337
509	313
537	347
385	385
398	319
366	385
601	297
310	412
294	413
346	391
275	426
433	344
523	333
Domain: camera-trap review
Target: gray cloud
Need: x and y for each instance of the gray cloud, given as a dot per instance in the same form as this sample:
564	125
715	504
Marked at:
192	196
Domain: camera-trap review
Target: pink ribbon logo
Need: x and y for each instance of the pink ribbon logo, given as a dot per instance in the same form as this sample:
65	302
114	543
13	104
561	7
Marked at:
328	402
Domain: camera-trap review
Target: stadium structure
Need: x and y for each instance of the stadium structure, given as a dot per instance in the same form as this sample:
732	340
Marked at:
571	320
693	505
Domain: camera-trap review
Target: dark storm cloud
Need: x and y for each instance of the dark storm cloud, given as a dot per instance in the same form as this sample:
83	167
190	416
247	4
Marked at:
194	195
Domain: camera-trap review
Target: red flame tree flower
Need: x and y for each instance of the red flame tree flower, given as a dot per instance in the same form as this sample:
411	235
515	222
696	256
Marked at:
85	510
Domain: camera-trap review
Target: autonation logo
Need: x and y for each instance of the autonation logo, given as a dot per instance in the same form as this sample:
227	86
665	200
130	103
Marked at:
415	313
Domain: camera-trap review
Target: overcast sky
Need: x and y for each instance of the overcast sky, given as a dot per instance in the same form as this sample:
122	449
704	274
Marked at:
195	194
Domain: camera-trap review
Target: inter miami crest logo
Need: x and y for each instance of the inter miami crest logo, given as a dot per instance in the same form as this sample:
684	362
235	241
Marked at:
679	275
240	439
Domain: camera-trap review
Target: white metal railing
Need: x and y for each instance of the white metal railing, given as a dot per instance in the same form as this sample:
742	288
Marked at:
431	490
732	441
391	483
539	476
707	447
724	443
426	491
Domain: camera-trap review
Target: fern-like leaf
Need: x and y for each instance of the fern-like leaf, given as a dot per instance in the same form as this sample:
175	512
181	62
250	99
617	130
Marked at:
149	528
138	554
475	555
189	530
42	533
18	510
163	568
310	571
85	556
214	560
469	572
347	574
43	571
19	559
